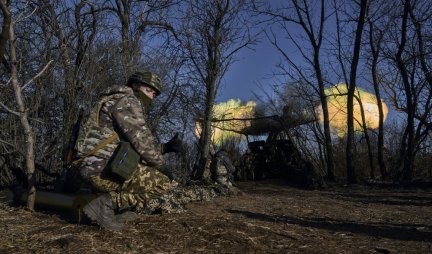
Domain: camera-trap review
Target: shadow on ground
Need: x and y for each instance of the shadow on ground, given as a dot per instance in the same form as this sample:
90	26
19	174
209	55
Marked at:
393	231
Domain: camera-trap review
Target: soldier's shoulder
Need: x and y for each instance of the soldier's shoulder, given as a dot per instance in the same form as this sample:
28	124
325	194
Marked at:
129	99
119	93
118	89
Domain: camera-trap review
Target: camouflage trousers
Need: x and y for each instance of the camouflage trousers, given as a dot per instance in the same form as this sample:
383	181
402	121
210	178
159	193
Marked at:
221	175
145	184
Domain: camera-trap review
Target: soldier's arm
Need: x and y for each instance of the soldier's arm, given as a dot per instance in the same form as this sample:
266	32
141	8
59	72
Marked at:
129	118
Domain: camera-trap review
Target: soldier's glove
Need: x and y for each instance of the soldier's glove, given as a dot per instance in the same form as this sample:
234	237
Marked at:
174	145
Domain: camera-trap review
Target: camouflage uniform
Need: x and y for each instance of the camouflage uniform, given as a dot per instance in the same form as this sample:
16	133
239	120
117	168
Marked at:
246	171
120	111
222	169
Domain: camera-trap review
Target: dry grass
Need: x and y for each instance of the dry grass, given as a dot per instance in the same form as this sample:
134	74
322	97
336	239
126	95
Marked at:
267	218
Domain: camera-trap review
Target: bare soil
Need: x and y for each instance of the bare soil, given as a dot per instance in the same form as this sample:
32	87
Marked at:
267	217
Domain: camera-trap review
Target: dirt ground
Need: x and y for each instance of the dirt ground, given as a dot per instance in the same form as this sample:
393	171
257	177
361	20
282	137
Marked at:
267	218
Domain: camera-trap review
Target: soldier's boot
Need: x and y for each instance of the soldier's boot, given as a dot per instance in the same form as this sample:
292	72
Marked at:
101	210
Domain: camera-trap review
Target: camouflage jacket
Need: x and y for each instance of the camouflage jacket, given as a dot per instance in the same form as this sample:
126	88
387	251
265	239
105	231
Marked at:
119	110
222	164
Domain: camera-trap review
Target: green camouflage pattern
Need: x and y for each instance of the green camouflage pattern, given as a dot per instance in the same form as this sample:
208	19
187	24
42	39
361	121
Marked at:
149	191
90	135
147	78
174	200
222	169
145	183
119	109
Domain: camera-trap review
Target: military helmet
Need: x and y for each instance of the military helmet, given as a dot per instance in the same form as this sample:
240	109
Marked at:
148	78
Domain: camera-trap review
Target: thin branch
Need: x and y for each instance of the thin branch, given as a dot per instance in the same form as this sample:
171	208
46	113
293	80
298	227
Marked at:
245	119
21	18
10	110
6	143
37	75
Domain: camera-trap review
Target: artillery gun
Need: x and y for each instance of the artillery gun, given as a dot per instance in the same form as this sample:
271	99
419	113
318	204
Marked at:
276	156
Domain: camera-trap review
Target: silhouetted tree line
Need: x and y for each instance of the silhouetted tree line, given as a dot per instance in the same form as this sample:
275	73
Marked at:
381	45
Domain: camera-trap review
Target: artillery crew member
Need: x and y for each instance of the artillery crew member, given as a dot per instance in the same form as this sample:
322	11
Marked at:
116	136
222	169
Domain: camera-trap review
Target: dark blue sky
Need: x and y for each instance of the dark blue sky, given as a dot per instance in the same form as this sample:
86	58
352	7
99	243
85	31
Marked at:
251	69
251	72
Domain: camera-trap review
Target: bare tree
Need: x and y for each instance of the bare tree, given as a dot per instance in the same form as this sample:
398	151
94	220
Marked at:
137	19
85	45
424	59
376	36
302	15
214	31
74	30
409	87
80	40
22	109
351	177
407	151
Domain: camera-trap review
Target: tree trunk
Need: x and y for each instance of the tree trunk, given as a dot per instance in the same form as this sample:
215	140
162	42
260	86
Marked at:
28	131
407	150
380	142
323	97
213	37
205	138
327	134
69	95
351	175
366	134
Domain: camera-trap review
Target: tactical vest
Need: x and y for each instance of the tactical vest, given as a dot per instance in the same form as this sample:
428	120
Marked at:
91	133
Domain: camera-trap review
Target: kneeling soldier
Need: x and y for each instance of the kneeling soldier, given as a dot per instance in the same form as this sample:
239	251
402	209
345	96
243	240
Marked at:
120	157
